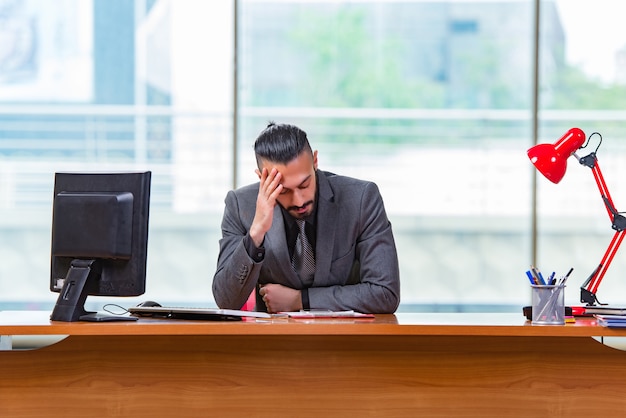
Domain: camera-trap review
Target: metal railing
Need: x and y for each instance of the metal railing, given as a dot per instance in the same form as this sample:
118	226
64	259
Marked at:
191	152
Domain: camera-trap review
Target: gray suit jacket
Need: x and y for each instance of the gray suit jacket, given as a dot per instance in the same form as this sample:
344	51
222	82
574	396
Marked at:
356	259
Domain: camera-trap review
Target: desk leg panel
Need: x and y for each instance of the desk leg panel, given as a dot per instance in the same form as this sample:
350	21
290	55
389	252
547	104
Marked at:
309	376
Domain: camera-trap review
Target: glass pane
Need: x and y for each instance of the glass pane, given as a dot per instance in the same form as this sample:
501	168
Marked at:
116	85
584	86
429	99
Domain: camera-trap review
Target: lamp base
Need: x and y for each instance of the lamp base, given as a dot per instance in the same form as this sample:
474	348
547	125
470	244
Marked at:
580	311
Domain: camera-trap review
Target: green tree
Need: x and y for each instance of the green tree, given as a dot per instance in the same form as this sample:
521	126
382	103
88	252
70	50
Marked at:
572	89
348	66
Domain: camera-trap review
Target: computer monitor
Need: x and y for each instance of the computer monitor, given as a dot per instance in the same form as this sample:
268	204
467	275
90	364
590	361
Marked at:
99	240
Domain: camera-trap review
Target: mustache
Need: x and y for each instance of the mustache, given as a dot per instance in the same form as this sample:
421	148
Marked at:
310	202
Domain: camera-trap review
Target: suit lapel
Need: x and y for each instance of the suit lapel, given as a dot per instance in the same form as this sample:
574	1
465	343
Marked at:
327	218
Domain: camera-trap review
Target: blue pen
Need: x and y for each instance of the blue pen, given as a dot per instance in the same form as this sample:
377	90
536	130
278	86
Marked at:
538	277
530	277
552	279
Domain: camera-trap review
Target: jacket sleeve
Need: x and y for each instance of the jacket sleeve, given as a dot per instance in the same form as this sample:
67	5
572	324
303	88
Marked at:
237	273
376	288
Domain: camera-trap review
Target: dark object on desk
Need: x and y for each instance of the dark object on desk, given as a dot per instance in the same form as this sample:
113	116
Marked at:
99	240
528	312
155	310
149	304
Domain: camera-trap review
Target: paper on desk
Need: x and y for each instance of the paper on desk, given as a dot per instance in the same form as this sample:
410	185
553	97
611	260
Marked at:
327	314
611	321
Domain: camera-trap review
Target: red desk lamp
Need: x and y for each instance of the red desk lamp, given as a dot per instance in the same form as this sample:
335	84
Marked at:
551	161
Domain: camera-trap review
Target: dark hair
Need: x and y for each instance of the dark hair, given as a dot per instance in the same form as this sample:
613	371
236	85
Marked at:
280	143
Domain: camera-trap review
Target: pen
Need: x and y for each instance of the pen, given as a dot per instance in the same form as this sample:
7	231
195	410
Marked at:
537	275
541	277
530	277
567	275
552	279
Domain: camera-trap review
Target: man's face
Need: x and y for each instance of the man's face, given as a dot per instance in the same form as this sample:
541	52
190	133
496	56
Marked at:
299	184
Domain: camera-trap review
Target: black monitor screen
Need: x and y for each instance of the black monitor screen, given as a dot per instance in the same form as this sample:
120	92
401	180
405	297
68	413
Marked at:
79	217
99	239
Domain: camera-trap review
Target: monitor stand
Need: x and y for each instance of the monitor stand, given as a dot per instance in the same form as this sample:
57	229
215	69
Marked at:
70	305
102	317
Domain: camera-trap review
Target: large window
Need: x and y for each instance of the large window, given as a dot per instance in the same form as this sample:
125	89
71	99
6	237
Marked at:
587	89
99	85
432	100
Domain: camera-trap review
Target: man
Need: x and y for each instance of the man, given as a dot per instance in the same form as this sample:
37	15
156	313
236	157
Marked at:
347	241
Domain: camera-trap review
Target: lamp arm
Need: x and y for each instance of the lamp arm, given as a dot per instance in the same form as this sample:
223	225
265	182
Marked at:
604	191
618	223
591	161
590	287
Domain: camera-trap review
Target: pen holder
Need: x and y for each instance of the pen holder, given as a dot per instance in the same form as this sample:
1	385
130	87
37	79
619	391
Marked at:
548	303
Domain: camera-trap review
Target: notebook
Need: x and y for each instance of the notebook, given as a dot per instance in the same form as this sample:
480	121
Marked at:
203	314
611	321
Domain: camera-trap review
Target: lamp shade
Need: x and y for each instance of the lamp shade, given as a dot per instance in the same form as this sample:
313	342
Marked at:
551	159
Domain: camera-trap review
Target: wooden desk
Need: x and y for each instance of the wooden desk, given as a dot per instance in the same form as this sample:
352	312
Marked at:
407	365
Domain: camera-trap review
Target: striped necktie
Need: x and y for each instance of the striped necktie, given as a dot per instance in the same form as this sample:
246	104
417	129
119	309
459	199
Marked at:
303	260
